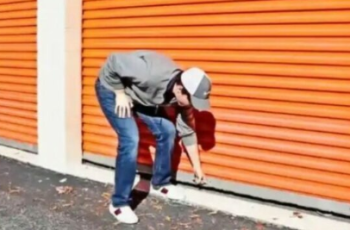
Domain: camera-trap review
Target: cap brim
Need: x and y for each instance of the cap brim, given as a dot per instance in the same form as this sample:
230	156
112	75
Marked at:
200	104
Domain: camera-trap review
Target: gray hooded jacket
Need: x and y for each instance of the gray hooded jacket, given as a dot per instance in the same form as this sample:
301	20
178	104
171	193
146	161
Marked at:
144	75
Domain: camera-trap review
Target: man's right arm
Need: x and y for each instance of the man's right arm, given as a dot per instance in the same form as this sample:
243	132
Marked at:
117	67
112	74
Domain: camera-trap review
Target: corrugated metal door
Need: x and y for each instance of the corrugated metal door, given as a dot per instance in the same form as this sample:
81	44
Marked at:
281	71
18	126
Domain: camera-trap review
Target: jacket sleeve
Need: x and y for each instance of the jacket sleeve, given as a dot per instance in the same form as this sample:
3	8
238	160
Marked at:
119	66
185	125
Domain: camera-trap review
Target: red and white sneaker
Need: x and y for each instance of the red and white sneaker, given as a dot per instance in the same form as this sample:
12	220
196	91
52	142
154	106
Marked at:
170	192
124	214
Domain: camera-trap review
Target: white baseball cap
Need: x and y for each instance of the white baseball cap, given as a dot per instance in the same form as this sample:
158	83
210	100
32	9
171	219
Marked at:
198	85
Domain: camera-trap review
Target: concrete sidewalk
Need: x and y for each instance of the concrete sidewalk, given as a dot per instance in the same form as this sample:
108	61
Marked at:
35	199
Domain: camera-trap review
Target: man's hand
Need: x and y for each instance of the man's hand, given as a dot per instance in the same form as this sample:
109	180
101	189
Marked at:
123	104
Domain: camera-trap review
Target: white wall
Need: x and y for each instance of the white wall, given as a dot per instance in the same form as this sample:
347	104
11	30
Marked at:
59	83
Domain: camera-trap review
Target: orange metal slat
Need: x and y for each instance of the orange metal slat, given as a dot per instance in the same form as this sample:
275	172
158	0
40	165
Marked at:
18	72
274	94
221	19
246	153
327	58
246	164
18	79
277	120
221	172
313	84
17	88
320	151
18	128
325	111
293	108
296	30
221	43
16	31
14	1
256	130
282	158
31	5
288	184
18	22
92	5
330	85
28	47
18	120
248	117
17	39
250	153
281	133
18	112
330	72
17	55
278	170
274	69
18	96
18	14
25	138
18	105
222	7
18	64
254	177
283	95
281	120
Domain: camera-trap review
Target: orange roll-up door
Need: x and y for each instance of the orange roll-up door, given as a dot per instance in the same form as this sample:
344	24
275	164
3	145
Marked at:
281	95
18	74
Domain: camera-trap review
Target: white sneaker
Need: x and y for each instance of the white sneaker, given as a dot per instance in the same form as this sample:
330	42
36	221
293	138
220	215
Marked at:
169	191
124	214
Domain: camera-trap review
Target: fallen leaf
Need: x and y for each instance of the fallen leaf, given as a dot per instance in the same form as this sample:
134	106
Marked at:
146	214
63	180
185	224
213	213
260	226
38	199
54	208
198	221
106	195
298	214
64	189
67	205
168	218
158	207
14	189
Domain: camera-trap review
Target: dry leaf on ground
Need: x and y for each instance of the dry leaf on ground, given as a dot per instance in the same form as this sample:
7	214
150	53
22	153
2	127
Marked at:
67	205
260	226
64	189
298	214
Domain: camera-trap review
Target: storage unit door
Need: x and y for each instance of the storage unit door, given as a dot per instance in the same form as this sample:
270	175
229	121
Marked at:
281	95
18	74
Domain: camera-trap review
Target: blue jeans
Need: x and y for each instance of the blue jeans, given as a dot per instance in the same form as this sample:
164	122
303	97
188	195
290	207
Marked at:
128	136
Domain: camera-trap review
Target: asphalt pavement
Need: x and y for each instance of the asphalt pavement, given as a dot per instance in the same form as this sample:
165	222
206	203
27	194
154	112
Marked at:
32	198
